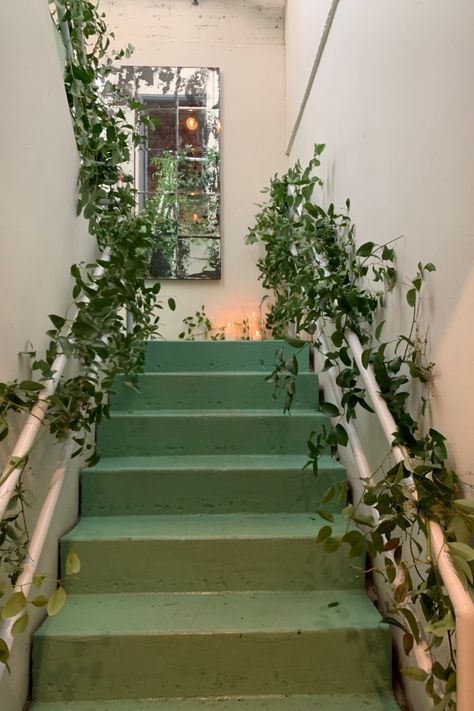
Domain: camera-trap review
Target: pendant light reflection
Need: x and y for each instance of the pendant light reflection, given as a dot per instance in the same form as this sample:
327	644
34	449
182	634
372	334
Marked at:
191	123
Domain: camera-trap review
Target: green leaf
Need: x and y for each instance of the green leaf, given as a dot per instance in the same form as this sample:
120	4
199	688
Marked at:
323	534
331	545
4	652
57	321
363	520
378	330
329	409
56	601
30	385
462	550
366	357
328	495
411	297
442	626
366	249
348	511
38	579
414	673
430	267
20	625
341	435
337	338
73	564
296	342
326	515
39	601
171	304
465	505
462	568
408	642
15	604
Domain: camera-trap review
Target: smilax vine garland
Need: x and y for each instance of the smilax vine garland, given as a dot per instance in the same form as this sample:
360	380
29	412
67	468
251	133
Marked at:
321	280
97	341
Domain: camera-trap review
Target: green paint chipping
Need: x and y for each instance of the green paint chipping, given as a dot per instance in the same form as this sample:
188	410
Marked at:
201	581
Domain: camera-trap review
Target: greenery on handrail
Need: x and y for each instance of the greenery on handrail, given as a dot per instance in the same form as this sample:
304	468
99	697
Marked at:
322	280
96	341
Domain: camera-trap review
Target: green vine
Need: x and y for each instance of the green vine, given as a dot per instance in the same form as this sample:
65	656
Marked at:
96	341
200	326
323	281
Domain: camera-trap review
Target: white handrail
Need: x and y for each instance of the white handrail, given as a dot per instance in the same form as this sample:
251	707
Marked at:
15	465
38	539
420	649
461	598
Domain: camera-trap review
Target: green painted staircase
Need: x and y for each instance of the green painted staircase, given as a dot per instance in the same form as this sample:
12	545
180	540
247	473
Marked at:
201	583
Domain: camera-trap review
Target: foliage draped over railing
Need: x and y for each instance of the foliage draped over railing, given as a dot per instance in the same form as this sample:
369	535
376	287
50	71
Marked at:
322	280
96	341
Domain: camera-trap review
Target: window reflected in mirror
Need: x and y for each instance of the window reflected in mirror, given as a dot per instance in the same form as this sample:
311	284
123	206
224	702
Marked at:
177	169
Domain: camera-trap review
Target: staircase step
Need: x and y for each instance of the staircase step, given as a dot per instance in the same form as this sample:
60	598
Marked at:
208	432
207	553
211	390
213	644
227	483
339	702
231	356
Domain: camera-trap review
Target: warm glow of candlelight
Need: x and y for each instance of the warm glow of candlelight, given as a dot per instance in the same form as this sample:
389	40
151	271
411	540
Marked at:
191	123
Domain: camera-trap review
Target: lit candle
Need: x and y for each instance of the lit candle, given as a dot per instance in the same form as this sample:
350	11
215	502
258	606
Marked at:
229	332
257	336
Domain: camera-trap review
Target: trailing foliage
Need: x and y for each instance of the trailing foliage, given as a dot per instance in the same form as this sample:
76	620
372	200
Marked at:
96	341
323	281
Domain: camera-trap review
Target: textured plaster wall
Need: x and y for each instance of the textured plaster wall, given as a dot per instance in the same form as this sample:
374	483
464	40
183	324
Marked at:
245	40
40	239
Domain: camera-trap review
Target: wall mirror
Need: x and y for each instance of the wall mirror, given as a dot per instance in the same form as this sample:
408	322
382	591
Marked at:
177	168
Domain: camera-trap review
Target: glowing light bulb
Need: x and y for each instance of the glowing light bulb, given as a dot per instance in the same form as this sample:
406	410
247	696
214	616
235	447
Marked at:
191	123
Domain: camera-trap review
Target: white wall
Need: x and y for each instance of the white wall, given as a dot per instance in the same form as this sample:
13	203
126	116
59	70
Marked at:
393	101
40	239
246	41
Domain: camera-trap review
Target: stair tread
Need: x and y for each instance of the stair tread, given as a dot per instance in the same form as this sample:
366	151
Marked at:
217	374
216	462
324	702
201	526
214	413
147	614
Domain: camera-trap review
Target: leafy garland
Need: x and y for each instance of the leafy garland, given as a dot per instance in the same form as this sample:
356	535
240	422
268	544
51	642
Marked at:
96	341
318	275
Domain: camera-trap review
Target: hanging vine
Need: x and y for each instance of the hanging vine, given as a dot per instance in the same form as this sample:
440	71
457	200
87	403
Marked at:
321	280
96	341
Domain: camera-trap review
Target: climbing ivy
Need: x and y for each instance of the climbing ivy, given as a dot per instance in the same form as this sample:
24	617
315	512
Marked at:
322	281
96	341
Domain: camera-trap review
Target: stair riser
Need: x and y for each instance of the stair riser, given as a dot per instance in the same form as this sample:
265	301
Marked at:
194	492
124	566
207	391
210	665
146	435
321	702
183	356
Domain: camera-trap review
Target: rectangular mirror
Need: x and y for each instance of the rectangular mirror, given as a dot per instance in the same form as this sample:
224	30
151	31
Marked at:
177	170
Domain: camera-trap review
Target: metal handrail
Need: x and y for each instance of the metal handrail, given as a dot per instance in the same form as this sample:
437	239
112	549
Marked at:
461	598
